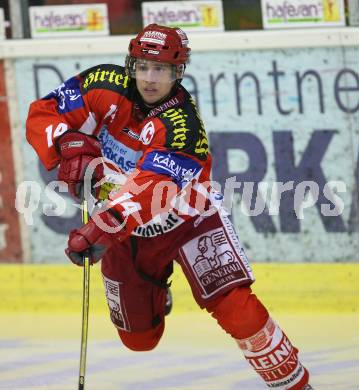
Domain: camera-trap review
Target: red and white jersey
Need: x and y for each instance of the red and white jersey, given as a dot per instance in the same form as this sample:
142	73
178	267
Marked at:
163	150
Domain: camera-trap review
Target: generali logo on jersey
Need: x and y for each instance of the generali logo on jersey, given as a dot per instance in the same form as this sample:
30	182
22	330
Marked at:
216	265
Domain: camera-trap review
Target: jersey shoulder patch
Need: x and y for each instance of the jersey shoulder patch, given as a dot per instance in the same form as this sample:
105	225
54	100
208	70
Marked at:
185	130
67	95
105	76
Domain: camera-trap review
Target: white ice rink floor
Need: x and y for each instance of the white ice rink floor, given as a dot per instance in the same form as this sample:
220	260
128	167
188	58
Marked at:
42	352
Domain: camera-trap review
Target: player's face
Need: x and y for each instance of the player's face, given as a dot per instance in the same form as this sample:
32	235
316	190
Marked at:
154	80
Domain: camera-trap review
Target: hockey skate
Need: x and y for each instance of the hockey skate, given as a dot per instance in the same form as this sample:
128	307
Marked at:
169	302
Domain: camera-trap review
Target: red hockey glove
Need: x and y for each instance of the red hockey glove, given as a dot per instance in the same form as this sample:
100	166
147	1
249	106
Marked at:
94	238
77	150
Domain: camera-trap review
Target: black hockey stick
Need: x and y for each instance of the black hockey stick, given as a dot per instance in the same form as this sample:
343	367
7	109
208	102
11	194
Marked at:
85	306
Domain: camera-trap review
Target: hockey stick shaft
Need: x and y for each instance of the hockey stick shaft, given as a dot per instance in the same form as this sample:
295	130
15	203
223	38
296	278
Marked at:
85	307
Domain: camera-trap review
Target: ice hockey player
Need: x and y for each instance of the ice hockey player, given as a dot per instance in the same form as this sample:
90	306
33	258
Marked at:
142	121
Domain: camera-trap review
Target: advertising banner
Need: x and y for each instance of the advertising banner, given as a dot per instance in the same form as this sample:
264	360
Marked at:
10	243
69	20
283	130
189	15
299	13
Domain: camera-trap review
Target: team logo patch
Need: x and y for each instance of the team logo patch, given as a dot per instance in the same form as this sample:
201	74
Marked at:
181	169
114	301
68	96
147	133
213	262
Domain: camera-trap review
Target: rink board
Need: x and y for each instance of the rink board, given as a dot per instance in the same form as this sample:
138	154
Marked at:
285	288
40	326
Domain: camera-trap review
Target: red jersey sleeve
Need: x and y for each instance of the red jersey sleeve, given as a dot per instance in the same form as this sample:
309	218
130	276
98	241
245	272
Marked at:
80	103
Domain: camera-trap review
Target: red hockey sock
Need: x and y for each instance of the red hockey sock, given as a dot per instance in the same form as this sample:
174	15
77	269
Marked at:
263	343
239	312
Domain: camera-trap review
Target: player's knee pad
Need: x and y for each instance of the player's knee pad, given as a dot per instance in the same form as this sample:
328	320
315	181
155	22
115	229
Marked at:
239	312
142	341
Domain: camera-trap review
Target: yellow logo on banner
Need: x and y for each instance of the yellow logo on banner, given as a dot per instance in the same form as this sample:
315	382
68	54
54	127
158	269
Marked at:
209	16
94	20
331	10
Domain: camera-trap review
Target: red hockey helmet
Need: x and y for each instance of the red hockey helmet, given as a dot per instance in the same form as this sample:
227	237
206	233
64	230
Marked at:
160	43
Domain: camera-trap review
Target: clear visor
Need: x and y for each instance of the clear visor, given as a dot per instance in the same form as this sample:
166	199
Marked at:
153	71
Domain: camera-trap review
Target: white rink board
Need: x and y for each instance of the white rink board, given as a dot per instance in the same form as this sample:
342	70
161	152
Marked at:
209	41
